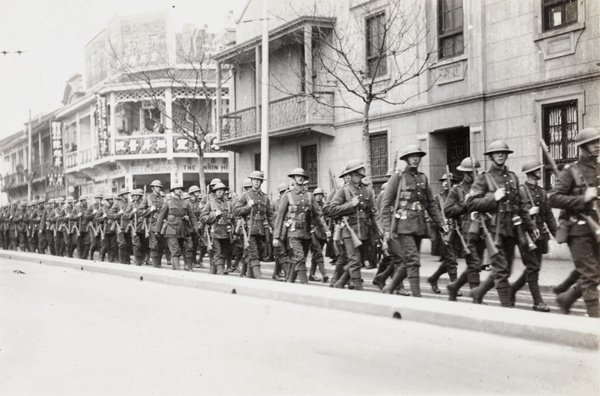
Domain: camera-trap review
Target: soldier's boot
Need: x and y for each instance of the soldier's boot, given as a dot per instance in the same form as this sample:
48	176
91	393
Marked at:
593	308
396	281
516	286
477	293
244	268
277	271
175	263
504	296
432	280
213	269
156	262
379	279
415	286
256	272
86	252
454	287
358	284
302	277
220	269
188	263
567	283
538	301
102	253
341	282
566	299
138	260
337	274
292	276
122	258
453	277
401	291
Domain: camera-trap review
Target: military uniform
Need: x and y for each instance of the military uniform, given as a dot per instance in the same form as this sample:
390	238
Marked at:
135	216
107	231
180	223
117	215
94	225
152	206
578	224
217	215
318	240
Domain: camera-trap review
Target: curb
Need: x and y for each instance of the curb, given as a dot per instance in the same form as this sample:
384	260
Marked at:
579	332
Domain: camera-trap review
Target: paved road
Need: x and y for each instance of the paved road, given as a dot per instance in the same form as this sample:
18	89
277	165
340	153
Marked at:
64	331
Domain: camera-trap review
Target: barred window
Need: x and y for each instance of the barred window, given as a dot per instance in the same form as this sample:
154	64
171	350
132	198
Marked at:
560	129
451	42
376	45
558	13
309	164
379	159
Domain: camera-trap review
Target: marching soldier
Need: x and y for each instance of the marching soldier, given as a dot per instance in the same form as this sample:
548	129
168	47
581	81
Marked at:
70	221
21	227
536	202
576	193
406	199
48	226
298	212
318	240
94	234
32	225
152	207
41	232
497	192
194	192
353	208
180	223
107	230
445	248
84	217
117	215
57	221
217	214
135	217
282	260
456	209
255	207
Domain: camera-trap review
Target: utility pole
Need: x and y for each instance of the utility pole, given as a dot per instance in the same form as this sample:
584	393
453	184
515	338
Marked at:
264	139
29	170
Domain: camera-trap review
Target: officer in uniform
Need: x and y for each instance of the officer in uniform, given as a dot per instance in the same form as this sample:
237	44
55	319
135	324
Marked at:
217	214
468	223
239	250
94	235
152	206
536	202
180	223
406	199
496	192
447	248
353	208
319	239
576	193
297	214
256	209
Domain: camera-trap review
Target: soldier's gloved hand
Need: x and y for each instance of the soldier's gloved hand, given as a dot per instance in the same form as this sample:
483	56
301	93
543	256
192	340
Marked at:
121	211
591	193
355	201
276	242
79	214
445	229
251	202
134	210
94	211
536	234
386	236
218	212
152	208
186	217
500	193
534	210
104	216
328	234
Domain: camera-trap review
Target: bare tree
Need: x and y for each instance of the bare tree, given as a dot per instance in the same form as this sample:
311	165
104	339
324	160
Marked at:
371	56
193	82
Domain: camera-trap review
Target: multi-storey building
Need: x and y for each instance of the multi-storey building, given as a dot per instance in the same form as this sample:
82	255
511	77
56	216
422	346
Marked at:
520	71
146	91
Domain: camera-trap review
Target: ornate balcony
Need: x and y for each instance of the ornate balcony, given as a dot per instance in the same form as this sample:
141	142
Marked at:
287	117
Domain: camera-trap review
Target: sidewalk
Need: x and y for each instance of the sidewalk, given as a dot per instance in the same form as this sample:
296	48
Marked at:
574	331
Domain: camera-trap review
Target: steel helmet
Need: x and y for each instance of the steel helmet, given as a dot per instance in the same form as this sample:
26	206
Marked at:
33	202
23	203
467	166
83	197
176	186
215	181
260	175
498	146
531	165
51	201
318	190
60	200
156	183
219	186
351	166
109	196
69	199
282	187
186	195
193	189
247	182
137	191
123	192
99	195
298	172
445	177
587	135
412	149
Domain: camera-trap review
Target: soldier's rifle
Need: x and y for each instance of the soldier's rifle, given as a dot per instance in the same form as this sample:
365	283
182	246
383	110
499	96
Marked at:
536	216
455	226
588	219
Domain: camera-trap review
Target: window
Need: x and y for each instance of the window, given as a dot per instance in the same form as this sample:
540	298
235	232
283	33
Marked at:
451	41
257	161
309	164
376	46
458	147
560	129
379	159
558	13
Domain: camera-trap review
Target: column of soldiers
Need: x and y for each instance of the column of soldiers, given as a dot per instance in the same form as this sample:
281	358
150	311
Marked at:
488	213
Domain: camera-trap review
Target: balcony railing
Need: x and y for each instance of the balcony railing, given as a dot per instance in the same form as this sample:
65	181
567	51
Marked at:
284	114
